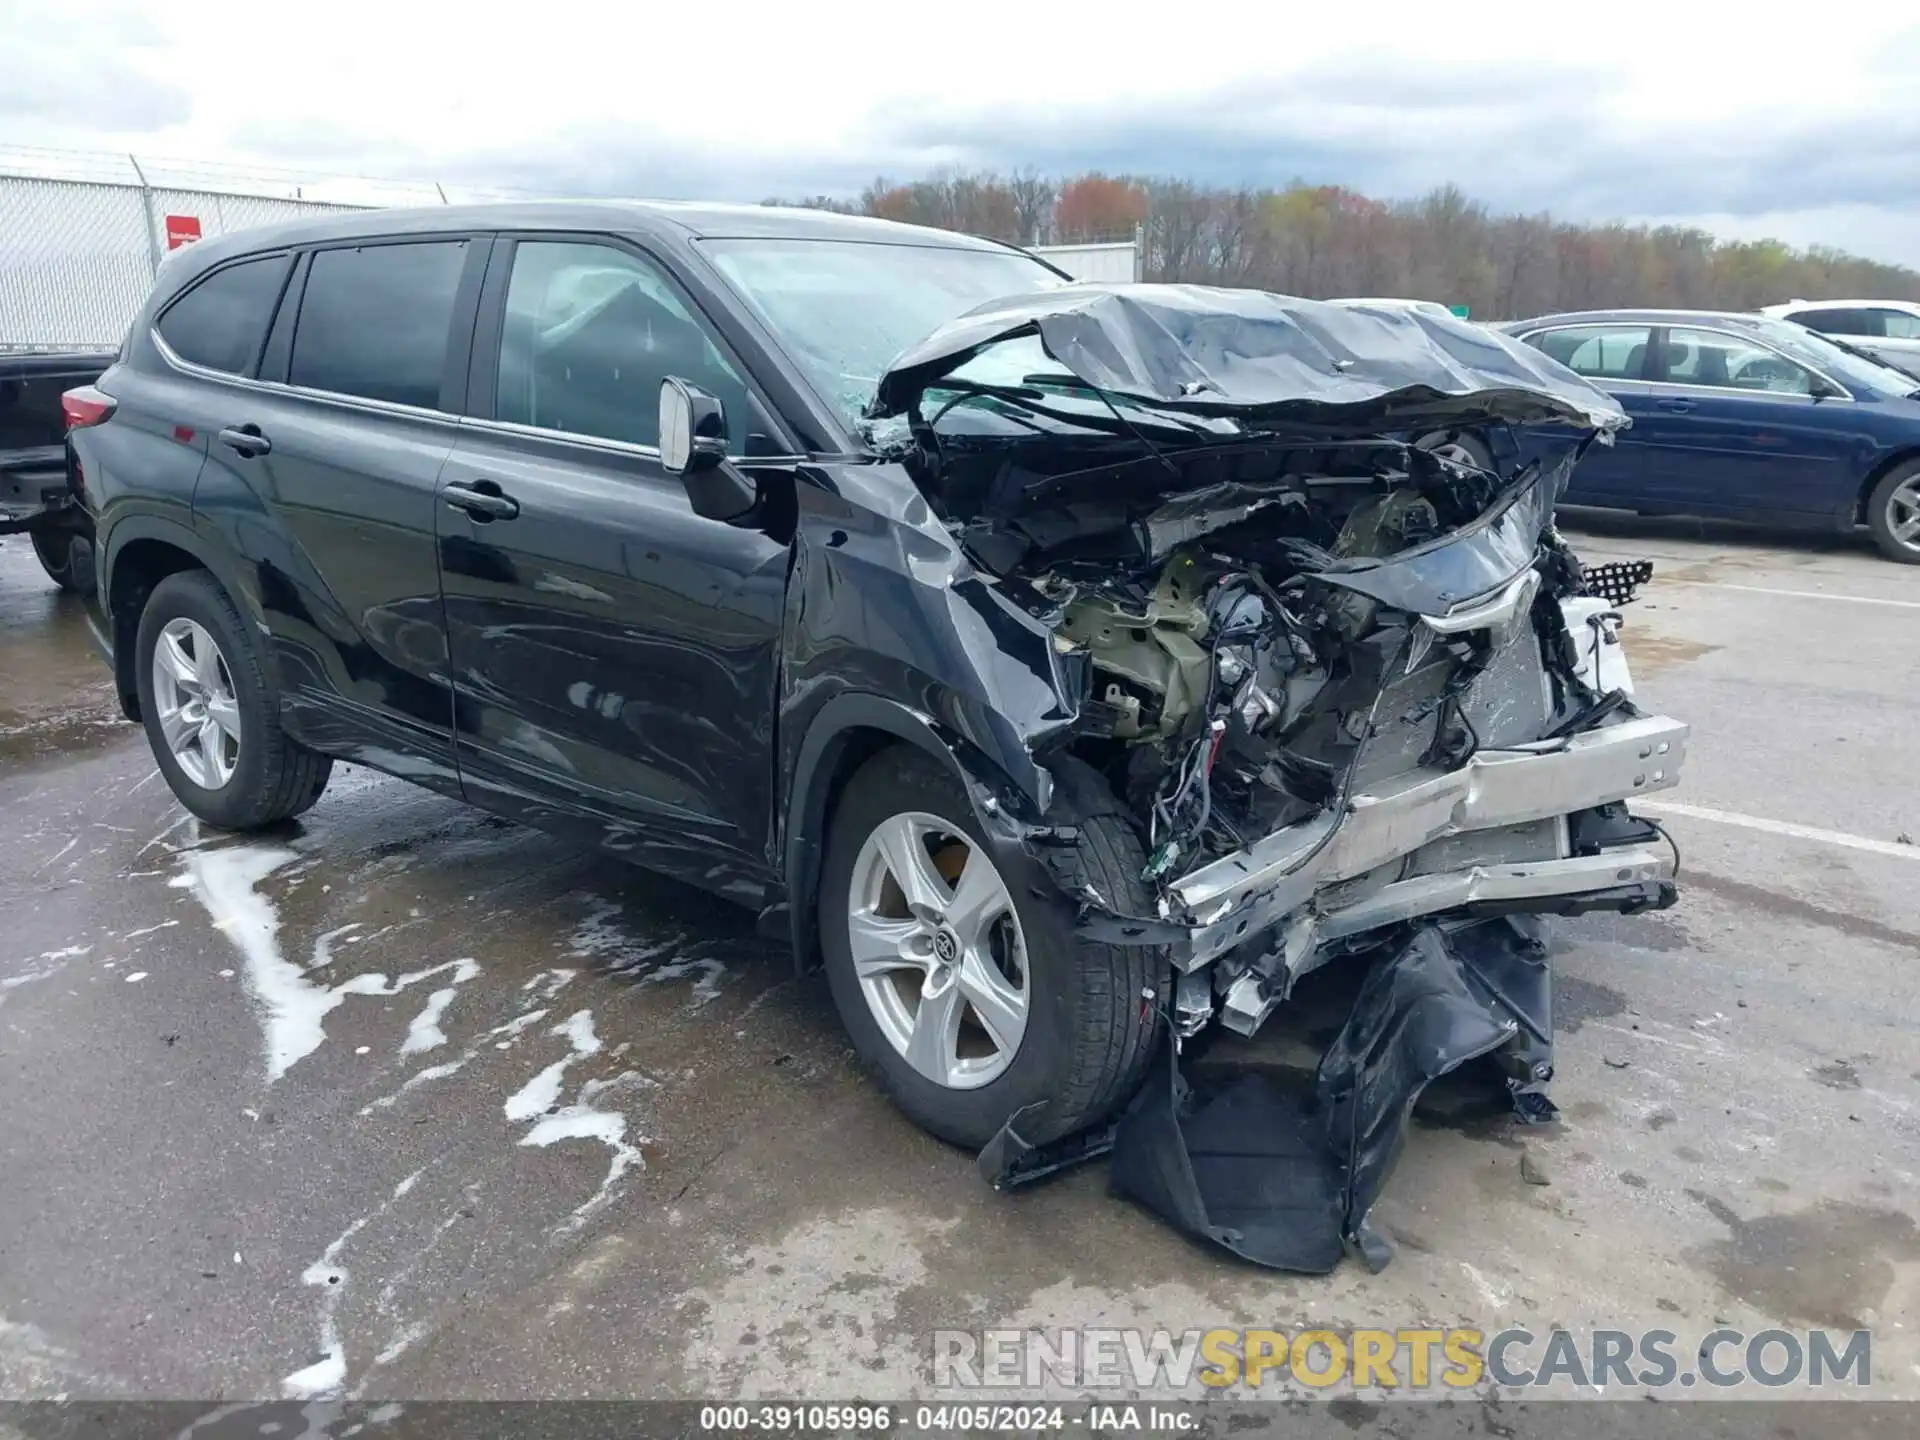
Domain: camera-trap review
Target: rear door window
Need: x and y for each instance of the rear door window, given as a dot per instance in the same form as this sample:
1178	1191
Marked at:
1600	352
221	322
375	321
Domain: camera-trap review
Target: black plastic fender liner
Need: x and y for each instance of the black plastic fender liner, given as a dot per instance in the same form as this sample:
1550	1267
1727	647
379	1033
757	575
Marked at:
1287	1180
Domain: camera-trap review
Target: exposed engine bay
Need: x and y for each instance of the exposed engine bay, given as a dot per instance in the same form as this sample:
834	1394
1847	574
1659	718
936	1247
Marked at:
1355	691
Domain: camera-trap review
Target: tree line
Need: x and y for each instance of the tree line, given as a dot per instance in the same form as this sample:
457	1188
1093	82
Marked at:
1326	240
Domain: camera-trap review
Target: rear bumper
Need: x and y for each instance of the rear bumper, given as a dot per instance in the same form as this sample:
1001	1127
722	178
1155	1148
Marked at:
1233	900
31	487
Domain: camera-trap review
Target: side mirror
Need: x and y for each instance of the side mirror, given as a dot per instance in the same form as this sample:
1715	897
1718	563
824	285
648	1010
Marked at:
1822	388
693	446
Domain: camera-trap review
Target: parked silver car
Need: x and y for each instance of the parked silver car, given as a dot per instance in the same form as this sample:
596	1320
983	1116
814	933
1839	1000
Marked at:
1888	330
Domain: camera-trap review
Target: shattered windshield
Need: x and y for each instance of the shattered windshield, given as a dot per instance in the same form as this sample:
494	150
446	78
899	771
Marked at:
846	308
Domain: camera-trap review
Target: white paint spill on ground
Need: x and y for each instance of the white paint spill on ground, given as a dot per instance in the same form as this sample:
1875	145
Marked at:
324	1378
511	1030
705	989
71	952
583	1119
136	977
149	930
550	982
543	1090
43	966
323	947
397	1278
601	938
226	882
423	1031
407	1336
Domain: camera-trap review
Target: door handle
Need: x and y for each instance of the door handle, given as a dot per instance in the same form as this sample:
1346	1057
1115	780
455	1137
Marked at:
1676	407
246	439
481	499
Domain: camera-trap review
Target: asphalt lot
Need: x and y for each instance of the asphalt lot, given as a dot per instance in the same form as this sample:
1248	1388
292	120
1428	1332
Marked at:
407	1102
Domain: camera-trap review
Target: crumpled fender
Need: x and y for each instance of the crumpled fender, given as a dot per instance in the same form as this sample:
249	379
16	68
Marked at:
891	634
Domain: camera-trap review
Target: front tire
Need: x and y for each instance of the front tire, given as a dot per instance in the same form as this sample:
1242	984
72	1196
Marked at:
212	715
1893	514
1464	447
967	998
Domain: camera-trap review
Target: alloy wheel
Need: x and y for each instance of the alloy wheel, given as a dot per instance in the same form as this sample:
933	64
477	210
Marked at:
193	697
938	950
1903	513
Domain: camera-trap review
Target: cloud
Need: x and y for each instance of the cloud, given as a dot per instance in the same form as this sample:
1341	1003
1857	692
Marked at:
1590	116
53	75
1560	139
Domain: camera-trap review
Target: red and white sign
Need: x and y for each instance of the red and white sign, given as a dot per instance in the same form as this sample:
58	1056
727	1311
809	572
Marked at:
182	230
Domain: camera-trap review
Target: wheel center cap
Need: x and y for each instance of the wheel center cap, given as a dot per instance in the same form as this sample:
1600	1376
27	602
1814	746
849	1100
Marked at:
946	949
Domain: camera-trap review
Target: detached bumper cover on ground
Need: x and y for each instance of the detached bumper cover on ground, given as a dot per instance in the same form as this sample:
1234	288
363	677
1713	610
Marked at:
1286	1179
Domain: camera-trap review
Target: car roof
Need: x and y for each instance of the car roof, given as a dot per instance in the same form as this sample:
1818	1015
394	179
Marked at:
1907	305
660	219
1639	317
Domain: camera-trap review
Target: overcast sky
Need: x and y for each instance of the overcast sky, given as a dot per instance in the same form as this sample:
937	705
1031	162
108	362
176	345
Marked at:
1791	120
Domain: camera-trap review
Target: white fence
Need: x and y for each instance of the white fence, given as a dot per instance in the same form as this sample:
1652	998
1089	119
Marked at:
82	235
78	257
1113	262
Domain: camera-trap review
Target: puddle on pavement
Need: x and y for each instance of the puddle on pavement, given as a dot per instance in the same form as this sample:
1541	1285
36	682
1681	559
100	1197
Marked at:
56	698
1825	1265
38	739
1649	653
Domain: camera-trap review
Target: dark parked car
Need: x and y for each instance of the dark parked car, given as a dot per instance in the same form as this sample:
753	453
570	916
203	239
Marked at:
1061	663
1744	417
36	493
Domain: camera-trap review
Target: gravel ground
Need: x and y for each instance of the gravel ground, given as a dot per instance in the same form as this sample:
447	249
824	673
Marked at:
407	1102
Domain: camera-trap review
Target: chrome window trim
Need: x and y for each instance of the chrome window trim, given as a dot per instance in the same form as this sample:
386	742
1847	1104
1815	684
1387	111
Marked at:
541	432
601	442
445	417
1753	340
304	392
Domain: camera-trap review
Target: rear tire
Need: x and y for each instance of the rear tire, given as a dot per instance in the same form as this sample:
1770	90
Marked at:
273	777
53	548
1894	508
1092	1012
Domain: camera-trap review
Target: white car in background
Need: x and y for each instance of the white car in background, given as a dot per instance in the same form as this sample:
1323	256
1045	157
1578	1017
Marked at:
1430	307
1888	330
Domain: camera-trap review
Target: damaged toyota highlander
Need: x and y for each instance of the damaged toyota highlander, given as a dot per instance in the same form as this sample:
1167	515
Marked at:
1066	668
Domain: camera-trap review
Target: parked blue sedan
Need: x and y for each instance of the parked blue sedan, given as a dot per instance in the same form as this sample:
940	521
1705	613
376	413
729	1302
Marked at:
1744	417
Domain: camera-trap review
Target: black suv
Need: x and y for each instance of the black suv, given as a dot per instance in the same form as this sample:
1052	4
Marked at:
1065	665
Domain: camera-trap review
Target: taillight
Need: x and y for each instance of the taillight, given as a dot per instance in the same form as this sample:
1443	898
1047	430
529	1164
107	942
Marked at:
86	406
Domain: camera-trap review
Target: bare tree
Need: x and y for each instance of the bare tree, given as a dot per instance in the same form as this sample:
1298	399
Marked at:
1326	240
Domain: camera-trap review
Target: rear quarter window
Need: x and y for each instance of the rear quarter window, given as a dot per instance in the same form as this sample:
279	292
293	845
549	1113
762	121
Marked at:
221	322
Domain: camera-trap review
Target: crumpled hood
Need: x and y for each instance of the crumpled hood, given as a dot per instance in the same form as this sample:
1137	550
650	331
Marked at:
1264	357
